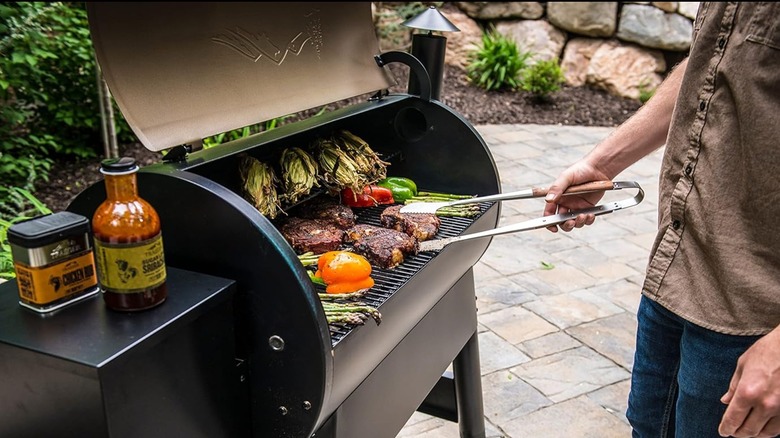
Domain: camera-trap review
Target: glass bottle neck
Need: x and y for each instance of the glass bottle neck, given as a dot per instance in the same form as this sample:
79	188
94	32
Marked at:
121	187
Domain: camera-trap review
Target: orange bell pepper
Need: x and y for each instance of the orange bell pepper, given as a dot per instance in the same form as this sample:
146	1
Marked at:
344	272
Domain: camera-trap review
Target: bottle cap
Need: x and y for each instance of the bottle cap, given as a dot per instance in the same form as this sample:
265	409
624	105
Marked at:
118	166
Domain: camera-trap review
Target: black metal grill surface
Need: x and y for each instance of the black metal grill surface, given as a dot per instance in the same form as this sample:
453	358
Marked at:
388	281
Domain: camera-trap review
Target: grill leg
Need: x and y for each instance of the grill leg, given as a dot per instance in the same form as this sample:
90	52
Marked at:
468	390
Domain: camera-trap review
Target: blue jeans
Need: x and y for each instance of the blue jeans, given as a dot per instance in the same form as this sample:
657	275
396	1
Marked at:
680	372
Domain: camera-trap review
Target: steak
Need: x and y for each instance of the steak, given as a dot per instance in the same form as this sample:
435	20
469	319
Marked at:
422	226
312	235
327	209
383	247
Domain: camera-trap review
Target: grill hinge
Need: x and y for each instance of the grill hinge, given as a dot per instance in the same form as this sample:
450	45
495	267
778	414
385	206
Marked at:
179	153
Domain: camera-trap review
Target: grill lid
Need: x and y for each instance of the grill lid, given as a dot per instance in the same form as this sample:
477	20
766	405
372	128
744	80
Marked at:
181	72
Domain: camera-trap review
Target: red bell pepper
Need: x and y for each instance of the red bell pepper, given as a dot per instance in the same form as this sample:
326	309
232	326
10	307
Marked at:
372	195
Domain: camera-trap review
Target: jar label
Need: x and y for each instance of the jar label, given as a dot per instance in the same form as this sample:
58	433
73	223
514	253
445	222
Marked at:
46	284
130	267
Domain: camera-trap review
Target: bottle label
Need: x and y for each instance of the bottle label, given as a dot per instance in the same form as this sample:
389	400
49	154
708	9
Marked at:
130	267
66	278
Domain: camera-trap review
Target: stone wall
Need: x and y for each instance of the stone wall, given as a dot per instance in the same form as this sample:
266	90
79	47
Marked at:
625	48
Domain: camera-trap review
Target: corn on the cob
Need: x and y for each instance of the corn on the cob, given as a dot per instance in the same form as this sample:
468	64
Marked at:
339	170
368	161
259	184
298	174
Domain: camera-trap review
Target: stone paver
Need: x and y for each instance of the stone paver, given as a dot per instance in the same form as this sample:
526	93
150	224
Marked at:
580	418
557	311
570	373
516	324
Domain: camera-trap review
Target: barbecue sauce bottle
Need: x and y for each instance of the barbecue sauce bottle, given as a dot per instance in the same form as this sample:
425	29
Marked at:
128	242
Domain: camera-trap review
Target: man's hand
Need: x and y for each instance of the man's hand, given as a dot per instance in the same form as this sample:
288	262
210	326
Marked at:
753	397
579	173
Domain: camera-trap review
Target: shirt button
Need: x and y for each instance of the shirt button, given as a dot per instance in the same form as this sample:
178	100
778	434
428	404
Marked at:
688	170
702	105
721	43
676	225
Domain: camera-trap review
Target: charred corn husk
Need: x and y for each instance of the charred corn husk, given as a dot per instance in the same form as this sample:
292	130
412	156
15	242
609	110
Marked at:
259	184
367	160
298	174
338	169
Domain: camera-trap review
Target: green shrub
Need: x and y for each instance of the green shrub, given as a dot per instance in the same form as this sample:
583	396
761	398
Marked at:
497	63
6	258
246	131
48	88
542	79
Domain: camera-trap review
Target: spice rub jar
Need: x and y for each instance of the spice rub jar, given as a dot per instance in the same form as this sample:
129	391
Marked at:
128	242
53	261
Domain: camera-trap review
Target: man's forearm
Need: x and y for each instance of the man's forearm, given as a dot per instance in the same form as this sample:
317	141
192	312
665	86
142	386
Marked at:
644	132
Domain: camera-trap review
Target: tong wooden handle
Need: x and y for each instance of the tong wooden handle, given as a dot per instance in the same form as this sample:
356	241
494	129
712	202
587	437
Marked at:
595	186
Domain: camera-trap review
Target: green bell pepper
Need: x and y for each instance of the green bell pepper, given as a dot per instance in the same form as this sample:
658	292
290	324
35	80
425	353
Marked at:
402	188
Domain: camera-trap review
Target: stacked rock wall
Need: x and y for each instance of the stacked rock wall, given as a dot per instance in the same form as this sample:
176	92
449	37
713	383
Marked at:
625	48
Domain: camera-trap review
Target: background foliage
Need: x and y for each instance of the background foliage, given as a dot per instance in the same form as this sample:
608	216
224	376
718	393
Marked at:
497	63
49	106
500	64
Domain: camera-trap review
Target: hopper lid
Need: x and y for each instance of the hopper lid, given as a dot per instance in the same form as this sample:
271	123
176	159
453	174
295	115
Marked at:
181	72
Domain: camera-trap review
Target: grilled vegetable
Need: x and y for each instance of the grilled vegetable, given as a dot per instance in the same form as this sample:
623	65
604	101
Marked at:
370	196
466	210
344	272
259	185
350	313
338	169
402	188
299	174
368	161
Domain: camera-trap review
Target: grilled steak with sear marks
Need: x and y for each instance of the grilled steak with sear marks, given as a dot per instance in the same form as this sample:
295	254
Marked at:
383	247
328	209
315	235
422	226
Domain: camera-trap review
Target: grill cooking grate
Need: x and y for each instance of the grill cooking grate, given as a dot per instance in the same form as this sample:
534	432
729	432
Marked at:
388	281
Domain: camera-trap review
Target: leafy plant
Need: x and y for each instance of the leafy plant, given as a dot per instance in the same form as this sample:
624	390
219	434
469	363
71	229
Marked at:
18	205
246	131
48	88
497	63
6	258
542	78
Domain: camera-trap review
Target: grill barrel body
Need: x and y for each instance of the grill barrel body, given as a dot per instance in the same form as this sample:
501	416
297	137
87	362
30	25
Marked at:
300	378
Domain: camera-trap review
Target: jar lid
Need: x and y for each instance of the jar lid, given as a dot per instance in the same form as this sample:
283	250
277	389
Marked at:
118	166
47	229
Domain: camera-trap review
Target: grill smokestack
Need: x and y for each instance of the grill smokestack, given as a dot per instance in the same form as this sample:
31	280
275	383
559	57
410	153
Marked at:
429	48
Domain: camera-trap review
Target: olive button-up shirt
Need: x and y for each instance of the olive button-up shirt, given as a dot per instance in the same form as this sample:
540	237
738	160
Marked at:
716	258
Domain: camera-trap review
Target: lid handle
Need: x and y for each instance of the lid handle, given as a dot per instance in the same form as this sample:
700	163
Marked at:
417	67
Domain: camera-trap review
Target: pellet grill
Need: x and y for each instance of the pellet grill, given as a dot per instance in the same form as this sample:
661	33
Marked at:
182	72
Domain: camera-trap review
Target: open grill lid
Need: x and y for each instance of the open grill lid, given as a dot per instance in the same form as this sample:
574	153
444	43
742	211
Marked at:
181	72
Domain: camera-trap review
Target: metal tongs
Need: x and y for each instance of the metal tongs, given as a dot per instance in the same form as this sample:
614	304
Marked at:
541	222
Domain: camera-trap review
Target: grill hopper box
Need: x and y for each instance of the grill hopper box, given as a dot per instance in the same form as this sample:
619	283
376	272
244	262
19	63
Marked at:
183	72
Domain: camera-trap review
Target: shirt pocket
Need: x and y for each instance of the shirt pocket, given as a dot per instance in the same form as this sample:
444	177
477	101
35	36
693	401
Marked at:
764	27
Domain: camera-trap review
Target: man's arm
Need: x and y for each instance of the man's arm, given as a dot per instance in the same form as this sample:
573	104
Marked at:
643	133
638	136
